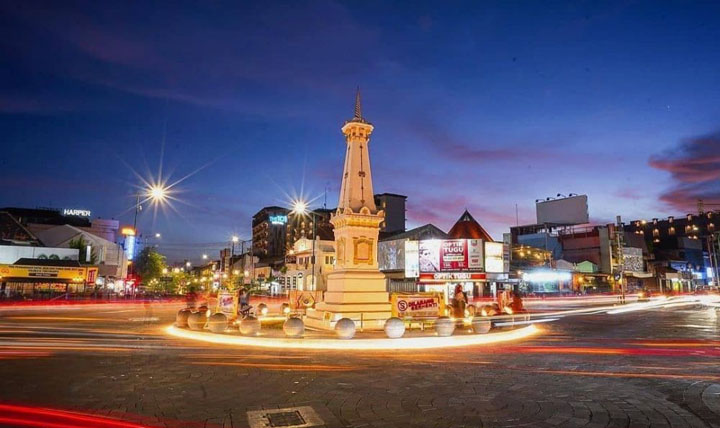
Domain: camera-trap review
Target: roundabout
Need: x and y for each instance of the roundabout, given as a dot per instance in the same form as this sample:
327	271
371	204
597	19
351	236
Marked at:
369	342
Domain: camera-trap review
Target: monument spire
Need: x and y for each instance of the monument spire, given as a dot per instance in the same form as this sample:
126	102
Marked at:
358	105
356	190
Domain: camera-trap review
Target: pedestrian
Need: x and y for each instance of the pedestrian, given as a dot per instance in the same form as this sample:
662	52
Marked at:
243	301
459	302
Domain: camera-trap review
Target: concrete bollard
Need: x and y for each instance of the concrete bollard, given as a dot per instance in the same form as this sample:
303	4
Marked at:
181	320
394	328
217	323
250	326
197	320
293	327
444	326
345	328
481	325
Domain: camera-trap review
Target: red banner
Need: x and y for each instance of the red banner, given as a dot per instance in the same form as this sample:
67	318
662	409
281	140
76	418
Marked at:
453	255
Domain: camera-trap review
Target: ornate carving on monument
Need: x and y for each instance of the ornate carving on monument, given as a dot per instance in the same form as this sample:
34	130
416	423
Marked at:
363	251
341	251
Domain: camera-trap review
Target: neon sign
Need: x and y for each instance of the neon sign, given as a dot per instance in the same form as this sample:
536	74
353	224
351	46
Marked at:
278	219
76	212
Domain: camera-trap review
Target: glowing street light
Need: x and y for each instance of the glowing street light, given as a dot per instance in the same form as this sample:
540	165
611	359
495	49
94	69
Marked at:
204	256
157	235
300	207
157	193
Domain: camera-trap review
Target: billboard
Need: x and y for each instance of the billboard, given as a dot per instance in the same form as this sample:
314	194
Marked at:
391	255
633	260
570	210
76	274
494	257
447	255
412	266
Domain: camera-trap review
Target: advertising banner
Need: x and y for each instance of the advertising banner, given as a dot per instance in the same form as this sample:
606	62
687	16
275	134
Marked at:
494	257
450	255
412	266
453	255
475	254
417	305
77	274
227	304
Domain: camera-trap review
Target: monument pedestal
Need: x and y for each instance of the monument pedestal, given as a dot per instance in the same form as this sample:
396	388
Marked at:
355	294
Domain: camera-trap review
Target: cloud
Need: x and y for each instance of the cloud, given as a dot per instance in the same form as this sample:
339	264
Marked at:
694	166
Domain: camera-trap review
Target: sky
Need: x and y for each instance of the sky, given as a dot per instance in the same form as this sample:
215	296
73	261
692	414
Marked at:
485	106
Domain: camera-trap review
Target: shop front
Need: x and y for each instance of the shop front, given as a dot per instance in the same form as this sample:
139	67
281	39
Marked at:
39	278
472	283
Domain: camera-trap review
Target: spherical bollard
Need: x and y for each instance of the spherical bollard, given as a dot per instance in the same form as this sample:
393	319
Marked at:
481	325
444	326
181	320
250	326
293	327
196	320
262	309
217	323
345	328
394	328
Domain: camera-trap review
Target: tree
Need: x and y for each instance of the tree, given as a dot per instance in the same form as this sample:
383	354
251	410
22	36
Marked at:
81	245
149	265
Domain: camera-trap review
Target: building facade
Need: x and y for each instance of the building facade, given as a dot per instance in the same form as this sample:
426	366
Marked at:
394	207
269	233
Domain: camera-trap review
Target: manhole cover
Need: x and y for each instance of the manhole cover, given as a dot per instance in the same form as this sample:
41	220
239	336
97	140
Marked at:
285	419
293	417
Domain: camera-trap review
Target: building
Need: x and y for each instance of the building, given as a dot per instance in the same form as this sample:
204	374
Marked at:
426	259
394	207
682	250
38	219
109	257
269	233
300	226
468	228
300	273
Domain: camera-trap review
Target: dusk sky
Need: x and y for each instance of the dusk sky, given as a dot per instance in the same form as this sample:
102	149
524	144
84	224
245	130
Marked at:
475	105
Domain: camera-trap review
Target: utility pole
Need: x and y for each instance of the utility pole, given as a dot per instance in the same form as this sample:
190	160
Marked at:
620	261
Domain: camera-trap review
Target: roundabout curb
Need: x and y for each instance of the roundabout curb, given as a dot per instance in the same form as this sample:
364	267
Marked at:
428	342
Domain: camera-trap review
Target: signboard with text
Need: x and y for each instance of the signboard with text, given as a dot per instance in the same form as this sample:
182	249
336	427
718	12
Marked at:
417	305
450	255
76	274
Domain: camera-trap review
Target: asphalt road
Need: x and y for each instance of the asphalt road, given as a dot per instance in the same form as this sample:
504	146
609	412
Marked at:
658	368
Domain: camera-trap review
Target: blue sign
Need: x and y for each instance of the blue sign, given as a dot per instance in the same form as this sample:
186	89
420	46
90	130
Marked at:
130	247
278	219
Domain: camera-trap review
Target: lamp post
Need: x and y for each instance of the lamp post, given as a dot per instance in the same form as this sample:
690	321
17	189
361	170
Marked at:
300	207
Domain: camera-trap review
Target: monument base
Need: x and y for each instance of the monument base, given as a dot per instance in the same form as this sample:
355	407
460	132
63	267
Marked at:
355	294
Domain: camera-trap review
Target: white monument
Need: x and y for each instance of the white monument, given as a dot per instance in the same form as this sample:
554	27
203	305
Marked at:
355	288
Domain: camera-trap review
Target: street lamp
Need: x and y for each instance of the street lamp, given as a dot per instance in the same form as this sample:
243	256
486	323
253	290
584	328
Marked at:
204	256
157	235
301	207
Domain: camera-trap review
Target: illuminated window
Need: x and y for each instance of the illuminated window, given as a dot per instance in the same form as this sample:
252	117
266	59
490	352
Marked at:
656	232
671	231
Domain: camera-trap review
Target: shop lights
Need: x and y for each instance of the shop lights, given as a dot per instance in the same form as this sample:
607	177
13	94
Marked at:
546	276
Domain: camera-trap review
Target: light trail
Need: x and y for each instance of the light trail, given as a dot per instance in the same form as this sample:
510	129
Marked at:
283	367
713	378
358	344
